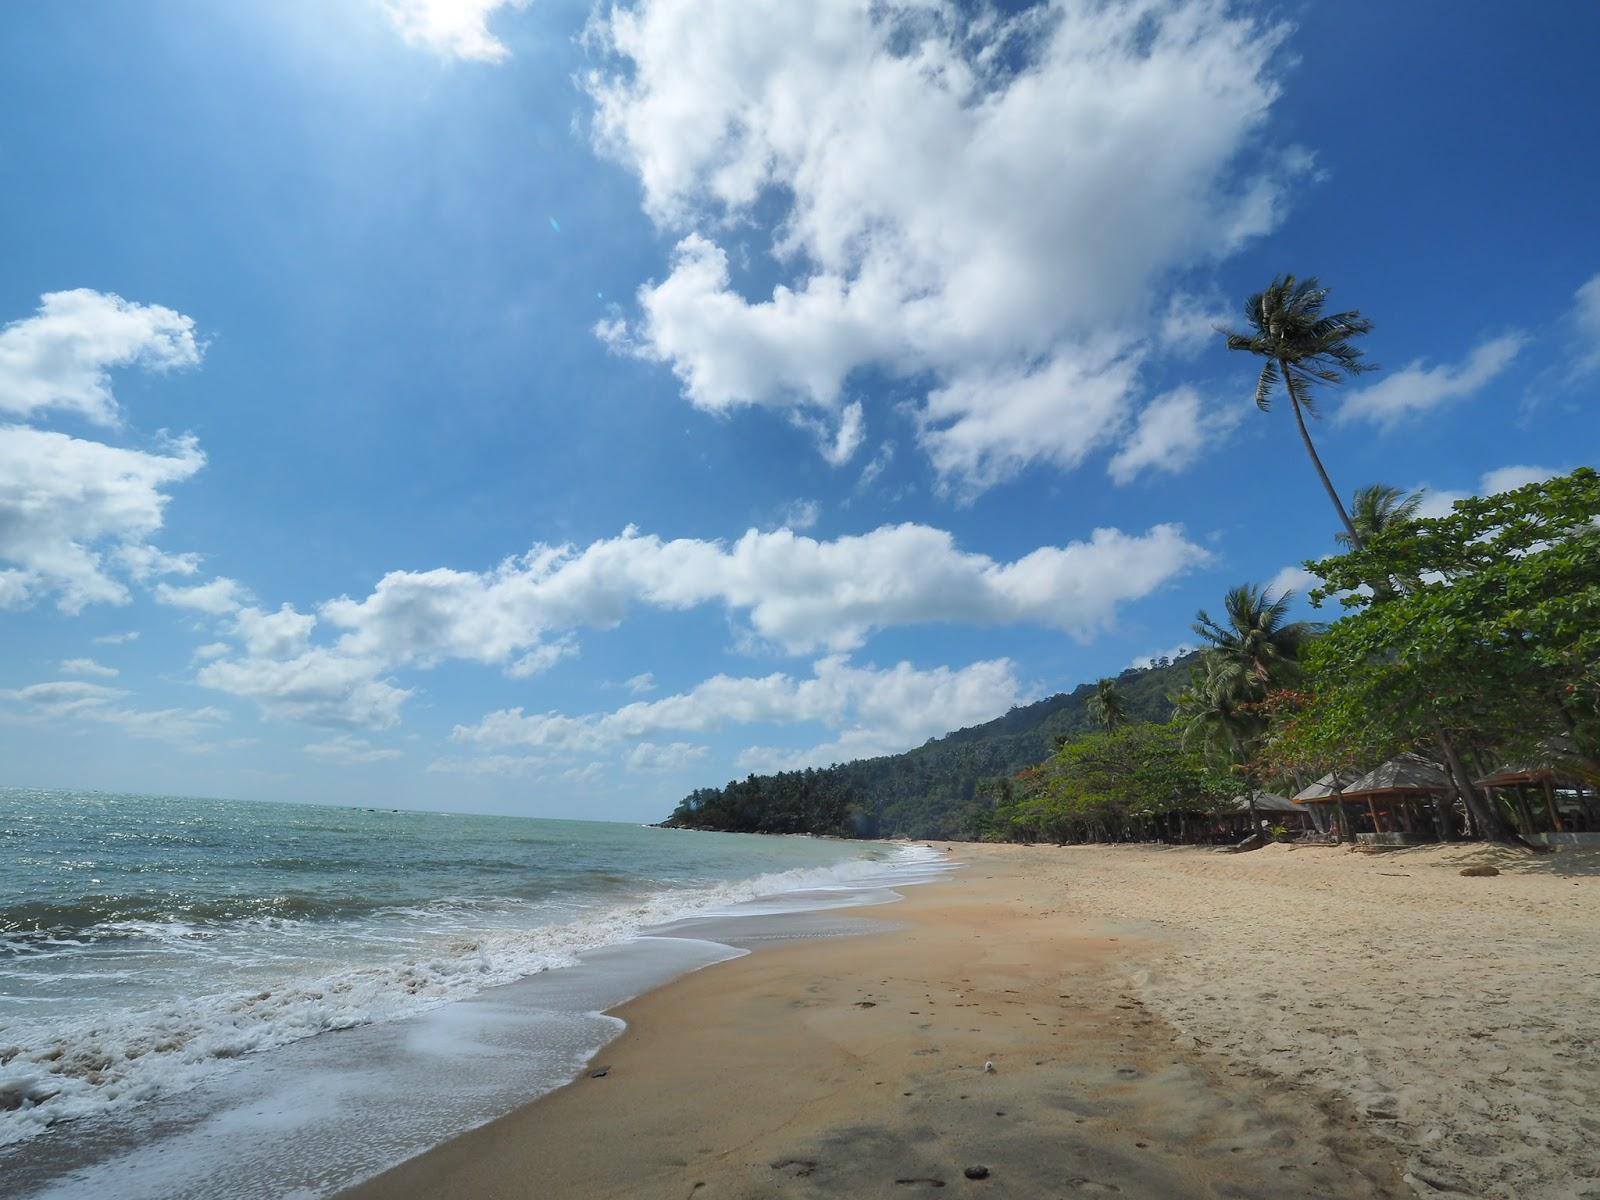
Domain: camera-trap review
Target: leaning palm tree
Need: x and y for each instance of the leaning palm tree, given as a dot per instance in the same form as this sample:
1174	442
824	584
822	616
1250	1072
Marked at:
1254	635
1106	708
1302	346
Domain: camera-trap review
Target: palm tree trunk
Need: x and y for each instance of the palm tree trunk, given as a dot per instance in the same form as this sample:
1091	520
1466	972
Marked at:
1305	436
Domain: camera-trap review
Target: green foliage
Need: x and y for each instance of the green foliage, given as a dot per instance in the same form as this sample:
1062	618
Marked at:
1113	785
946	788
1484	624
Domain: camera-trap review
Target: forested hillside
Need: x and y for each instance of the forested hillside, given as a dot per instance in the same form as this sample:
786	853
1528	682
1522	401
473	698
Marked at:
943	788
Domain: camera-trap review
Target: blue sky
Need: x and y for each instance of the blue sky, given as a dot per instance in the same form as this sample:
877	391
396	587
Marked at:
547	408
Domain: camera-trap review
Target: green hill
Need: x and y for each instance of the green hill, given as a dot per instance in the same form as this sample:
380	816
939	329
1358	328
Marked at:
933	791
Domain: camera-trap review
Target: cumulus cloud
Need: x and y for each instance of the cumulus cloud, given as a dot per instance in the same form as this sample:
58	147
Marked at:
986	203
796	592
218	597
1506	479
454	29
346	748
1294	578
1437	502
873	711
641	684
61	357
88	666
319	687
1169	435
116	639
1418	389
799	592
76	514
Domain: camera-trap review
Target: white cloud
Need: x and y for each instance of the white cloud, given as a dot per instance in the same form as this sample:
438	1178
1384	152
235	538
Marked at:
88	666
1437	502
991	204
116	639
318	687
62	700
61	357
212	650
1294	578
1418	389
801	515
873	711
1169	435
1190	323
641	684
1586	318
281	634
347	749
452	28
1173	653
541	658
675	756
1506	479
219	597
75	513
799	592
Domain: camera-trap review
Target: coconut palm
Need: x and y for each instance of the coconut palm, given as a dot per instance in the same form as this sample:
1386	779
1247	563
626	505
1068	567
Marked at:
1220	716
1254	635
1376	508
1302	346
1105	706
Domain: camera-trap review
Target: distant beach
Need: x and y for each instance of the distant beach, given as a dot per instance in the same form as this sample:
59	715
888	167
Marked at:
1107	1021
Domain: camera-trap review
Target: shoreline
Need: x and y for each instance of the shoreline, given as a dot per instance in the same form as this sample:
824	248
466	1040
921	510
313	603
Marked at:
857	1066
324	1111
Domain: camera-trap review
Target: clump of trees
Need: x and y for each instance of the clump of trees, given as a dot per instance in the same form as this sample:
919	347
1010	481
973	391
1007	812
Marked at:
1472	638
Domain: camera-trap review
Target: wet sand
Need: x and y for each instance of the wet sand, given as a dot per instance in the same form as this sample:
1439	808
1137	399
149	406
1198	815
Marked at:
859	1067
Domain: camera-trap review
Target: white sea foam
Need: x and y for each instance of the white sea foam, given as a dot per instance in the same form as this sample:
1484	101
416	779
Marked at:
58	1070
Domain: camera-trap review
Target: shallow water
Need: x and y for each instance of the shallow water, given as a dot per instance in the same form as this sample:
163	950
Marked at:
165	964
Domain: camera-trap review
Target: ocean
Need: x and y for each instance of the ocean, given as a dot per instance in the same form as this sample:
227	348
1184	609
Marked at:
171	970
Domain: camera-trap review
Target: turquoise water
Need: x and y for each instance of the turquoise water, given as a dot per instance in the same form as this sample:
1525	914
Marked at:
149	942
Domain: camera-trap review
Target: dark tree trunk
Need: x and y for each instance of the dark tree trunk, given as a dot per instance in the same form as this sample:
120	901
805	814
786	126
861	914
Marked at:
1311	449
1491	825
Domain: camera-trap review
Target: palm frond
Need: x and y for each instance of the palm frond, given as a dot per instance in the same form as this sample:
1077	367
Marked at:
1264	385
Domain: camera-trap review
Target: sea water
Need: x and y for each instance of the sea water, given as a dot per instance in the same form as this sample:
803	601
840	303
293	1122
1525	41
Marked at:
168	964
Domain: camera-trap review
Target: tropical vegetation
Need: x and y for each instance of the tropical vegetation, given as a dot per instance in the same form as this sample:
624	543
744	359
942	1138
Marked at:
1471	639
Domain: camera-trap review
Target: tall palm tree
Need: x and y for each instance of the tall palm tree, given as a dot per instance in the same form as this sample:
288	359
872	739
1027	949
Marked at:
1106	707
1302	346
1254	635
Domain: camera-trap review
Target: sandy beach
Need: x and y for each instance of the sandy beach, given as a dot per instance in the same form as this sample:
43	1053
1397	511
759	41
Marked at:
1161	1023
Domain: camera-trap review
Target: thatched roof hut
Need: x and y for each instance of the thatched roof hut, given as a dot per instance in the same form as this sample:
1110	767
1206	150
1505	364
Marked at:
1330	788
1266	802
1402	776
1405	782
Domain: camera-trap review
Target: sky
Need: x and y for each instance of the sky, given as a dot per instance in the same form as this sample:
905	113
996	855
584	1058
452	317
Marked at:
546	408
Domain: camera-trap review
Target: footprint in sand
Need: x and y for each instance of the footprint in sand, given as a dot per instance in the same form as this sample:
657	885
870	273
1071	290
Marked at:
1093	1187
933	1183
798	1167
